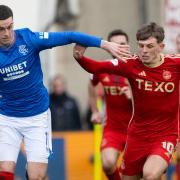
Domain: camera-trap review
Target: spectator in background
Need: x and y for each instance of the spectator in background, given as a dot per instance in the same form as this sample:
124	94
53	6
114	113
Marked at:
64	109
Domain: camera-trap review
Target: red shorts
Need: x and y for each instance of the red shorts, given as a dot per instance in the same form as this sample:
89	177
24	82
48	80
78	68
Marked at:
113	139
137	151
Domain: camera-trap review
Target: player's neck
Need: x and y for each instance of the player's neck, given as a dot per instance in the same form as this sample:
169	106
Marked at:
157	62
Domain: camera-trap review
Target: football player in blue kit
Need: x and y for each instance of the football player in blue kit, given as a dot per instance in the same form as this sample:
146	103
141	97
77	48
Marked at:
24	112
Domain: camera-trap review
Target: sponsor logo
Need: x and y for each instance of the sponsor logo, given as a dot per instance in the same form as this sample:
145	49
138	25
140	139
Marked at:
113	90
106	79
142	73
155	86
15	71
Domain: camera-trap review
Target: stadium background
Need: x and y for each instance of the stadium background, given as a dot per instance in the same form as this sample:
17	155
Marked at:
97	18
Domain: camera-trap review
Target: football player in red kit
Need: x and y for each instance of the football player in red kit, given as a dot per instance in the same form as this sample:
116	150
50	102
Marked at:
118	112
154	80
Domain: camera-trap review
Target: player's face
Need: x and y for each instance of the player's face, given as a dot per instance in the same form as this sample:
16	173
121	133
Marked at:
119	39
178	44
149	50
6	32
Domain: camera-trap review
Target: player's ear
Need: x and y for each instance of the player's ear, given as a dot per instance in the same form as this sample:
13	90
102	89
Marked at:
161	45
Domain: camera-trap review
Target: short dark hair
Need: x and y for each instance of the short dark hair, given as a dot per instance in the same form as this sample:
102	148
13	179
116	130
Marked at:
118	32
5	12
150	30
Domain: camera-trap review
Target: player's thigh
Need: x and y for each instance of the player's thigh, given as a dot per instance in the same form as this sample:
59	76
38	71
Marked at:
38	139
154	166
10	140
135	155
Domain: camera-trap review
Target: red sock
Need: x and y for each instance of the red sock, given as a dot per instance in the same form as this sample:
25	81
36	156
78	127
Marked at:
178	170
6	176
115	175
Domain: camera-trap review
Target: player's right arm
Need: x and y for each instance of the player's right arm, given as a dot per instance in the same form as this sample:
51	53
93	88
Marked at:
97	67
96	115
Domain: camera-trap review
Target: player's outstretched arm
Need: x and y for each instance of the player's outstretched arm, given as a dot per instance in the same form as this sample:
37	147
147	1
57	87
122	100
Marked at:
52	39
87	40
92	66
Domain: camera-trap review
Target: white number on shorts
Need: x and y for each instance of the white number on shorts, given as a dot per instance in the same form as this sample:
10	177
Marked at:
168	146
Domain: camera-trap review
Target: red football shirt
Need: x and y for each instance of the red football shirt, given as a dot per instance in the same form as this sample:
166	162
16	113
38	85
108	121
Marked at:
118	107
155	93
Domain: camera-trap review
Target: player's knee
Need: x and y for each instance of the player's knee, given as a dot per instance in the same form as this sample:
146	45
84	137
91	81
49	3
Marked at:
36	170
108	164
150	175
7	166
36	176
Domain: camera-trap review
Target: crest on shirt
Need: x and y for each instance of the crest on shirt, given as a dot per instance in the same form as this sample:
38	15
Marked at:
166	75
23	50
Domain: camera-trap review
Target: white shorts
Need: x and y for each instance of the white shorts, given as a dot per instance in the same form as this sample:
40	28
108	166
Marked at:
34	131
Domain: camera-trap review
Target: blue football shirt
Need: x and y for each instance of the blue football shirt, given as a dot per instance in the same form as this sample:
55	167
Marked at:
22	91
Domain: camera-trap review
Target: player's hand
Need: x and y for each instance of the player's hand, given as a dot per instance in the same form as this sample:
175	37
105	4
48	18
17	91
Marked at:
126	90
116	50
78	51
96	118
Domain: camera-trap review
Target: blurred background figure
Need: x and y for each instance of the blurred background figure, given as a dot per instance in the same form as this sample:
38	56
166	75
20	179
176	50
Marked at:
117	98
64	108
98	92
